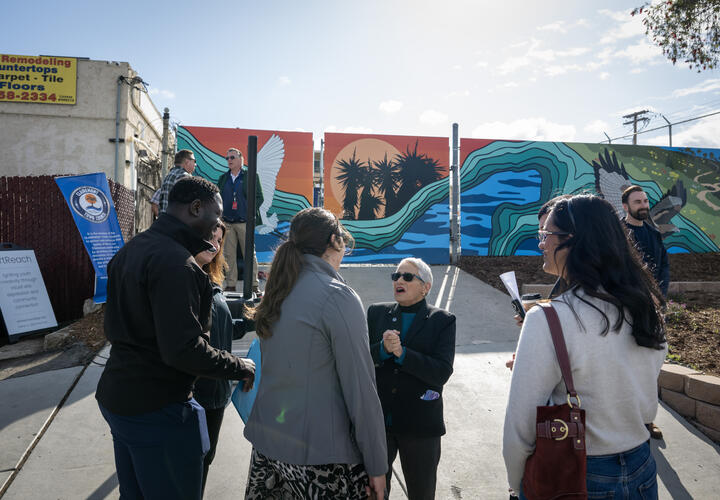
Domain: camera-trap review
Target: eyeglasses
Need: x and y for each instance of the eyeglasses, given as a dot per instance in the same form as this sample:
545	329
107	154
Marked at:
542	235
405	276
231	157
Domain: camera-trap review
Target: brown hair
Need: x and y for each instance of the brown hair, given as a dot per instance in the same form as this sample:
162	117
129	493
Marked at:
628	191
216	268
311	232
182	155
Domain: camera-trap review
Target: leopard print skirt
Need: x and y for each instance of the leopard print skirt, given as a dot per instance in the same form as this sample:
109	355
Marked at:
271	479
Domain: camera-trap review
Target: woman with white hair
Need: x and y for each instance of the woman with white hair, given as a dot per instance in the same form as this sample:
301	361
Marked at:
413	346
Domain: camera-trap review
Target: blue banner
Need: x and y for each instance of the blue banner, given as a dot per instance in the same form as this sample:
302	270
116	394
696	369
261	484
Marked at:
91	205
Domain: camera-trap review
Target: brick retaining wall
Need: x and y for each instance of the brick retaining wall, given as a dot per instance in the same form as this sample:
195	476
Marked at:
692	395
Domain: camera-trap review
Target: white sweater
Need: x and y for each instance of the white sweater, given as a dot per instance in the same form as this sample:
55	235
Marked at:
615	378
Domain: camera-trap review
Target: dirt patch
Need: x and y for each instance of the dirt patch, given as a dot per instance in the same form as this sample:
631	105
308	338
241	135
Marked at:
692	319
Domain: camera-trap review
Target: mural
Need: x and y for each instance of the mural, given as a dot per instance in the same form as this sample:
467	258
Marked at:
391	193
504	184
284	165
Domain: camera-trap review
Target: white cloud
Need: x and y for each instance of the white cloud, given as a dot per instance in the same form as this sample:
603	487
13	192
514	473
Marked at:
284	80
636	71
629	26
703	134
457	67
513	64
349	130
482	64
433	117
458	93
642	52
596	127
706	86
510	85
536	129
558	26
167	94
390	106
604	75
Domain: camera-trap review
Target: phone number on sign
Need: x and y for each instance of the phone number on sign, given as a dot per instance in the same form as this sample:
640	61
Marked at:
9	95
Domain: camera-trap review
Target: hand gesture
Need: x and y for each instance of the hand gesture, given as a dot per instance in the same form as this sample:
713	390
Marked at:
376	489
391	342
248	380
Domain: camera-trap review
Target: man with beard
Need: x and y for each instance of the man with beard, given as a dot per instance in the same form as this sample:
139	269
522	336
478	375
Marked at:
646	235
649	241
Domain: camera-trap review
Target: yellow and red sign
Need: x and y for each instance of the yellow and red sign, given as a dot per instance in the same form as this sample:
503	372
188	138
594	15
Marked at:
38	79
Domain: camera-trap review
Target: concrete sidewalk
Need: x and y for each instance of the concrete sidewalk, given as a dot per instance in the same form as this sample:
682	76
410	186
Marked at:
74	457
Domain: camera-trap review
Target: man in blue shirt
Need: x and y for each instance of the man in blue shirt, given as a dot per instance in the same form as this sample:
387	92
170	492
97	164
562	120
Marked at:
233	189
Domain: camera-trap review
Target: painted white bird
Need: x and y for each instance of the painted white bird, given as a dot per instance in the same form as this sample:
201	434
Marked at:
269	161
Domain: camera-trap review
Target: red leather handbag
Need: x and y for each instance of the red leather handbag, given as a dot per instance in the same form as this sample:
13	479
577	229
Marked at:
556	469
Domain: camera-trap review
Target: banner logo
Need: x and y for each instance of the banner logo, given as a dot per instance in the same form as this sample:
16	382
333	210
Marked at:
90	203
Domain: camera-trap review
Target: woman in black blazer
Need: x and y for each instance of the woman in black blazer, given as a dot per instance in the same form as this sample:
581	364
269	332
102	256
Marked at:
413	347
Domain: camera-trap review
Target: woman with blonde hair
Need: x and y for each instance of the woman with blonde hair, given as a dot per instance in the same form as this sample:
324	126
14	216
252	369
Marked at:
316	425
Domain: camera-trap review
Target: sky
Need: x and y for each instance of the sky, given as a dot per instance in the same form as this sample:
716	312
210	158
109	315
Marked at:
552	70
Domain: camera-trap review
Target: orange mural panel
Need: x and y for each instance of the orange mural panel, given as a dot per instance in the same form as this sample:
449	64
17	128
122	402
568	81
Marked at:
373	148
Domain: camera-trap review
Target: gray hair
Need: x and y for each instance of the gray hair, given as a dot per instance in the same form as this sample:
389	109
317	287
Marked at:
423	269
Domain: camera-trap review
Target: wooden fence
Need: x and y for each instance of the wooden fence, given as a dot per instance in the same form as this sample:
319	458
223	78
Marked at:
34	214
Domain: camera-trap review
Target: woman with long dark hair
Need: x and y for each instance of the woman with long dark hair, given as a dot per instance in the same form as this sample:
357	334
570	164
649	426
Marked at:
615	336
316	425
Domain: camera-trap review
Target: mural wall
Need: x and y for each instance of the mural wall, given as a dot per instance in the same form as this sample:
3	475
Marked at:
391	193
504	183
284	164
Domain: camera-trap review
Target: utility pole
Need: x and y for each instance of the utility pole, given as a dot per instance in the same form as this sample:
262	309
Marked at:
165	143
634	118
669	129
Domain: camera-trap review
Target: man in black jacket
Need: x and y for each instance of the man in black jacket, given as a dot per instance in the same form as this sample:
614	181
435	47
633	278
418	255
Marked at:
648	238
649	241
157	318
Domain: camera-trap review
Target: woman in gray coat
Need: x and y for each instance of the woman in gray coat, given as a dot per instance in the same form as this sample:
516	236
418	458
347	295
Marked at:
316	425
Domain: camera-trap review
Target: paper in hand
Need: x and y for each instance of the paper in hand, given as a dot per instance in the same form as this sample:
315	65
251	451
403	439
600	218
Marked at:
243	401
510	283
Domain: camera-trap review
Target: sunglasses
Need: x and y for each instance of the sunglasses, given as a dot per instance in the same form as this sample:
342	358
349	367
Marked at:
542	235
231	157
405	276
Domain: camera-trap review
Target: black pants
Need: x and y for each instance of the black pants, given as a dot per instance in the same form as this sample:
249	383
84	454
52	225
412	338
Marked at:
214	419
419	458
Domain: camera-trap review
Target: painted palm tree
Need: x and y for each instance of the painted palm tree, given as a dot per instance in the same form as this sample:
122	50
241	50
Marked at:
349	178
416	170
388	181
370	202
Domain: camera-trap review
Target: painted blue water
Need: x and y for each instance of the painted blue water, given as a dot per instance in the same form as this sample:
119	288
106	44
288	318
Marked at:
428	237
479	203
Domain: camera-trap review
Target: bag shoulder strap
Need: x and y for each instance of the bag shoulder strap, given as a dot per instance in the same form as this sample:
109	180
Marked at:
560	347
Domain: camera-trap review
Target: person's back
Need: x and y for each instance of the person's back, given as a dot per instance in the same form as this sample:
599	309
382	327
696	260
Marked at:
301	393
615	378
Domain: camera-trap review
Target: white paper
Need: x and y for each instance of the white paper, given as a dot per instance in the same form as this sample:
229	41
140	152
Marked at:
510	283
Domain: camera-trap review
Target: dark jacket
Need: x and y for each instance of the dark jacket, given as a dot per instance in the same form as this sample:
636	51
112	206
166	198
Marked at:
214	393
428	364
157	317
258	190
649	242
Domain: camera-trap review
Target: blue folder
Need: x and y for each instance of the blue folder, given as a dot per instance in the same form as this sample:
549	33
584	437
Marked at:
243	401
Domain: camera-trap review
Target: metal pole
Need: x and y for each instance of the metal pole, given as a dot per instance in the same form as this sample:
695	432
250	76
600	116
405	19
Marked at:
165	142
608	138
669	130
321	200
250	218
117	130
455	198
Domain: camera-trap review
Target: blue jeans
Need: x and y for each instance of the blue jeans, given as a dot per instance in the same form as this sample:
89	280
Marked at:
629	475
159	454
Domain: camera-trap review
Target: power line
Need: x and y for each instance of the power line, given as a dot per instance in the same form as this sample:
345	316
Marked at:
635	132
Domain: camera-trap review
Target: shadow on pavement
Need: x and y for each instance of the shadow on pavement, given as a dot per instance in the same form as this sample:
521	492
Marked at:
103	491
